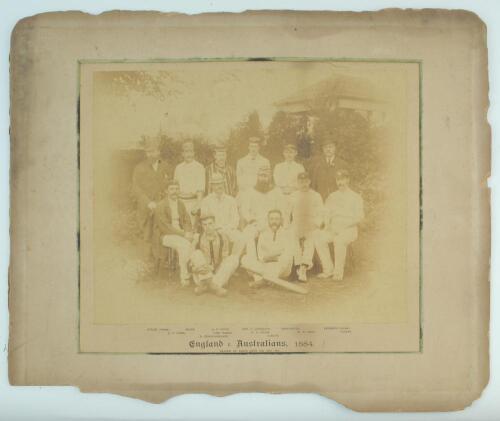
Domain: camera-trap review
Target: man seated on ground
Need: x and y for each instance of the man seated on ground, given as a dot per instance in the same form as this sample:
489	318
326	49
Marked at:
172	228
306	217
211	264
274	257
256	204
343	213
225	211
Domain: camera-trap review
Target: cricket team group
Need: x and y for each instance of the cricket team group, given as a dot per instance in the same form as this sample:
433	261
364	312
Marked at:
269	221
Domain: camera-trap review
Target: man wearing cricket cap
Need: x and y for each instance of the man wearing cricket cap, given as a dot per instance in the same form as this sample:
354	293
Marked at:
286	172
307	215
220	167
343	213
211	263
247	167
149	183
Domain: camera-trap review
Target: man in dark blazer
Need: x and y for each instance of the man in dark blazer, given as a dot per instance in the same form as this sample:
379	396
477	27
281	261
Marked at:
323	169
172	228
149	183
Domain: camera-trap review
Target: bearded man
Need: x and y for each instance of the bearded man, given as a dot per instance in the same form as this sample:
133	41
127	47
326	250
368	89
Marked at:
257	203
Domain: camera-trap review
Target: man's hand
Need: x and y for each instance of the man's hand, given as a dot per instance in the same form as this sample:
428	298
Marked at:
152	205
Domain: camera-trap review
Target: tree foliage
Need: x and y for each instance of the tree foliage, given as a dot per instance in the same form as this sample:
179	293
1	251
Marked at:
171	149
158	84
237	144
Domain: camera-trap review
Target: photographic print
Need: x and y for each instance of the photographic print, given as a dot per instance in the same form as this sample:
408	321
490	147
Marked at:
250	205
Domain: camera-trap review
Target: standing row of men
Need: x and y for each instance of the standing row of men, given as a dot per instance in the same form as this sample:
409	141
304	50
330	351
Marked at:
267	221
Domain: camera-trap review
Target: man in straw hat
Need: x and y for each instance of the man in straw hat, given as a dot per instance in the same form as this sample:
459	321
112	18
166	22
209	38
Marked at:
149	183
224	209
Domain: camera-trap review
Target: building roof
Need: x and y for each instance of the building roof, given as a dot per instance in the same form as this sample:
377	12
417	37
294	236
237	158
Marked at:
328	91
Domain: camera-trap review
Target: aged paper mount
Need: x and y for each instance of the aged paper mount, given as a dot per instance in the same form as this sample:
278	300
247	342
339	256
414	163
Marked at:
117	132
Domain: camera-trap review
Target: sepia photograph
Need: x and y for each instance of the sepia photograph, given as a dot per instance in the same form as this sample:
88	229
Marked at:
251	205
288	204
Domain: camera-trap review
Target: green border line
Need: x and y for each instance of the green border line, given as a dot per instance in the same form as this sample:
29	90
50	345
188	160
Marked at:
261	59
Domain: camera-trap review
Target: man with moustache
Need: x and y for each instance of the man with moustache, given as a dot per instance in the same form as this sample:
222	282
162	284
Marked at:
173	229
274	257
322	169
220	167
149	182
256	204
343	213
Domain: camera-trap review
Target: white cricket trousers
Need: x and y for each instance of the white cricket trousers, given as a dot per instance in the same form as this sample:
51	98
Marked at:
183	248
340	242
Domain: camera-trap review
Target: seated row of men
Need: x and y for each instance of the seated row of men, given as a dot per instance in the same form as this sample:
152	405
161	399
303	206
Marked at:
277	235
267	228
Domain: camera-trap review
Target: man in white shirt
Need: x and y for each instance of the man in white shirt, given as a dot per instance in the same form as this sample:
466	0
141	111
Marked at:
256	204
247	167
224	209
307	215
263	197
343	213
274	257
172	228
191	177
286	172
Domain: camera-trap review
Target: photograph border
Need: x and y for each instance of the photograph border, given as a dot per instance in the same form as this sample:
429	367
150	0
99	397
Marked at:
80	62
